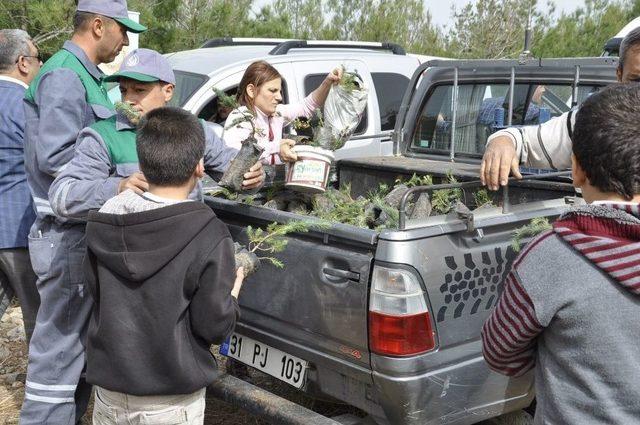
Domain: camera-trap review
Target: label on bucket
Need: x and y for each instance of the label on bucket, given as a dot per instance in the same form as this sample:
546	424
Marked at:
309	171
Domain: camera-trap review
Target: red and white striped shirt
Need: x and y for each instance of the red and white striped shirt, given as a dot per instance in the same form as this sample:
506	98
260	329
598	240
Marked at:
599	233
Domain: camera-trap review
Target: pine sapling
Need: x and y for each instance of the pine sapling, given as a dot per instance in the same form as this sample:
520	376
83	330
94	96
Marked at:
263	244
482	198
443	200
349	81
127	110
416	180
223	192
250	151
534	228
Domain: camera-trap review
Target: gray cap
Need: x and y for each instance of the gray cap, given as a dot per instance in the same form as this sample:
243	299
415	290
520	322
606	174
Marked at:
144	65
115	9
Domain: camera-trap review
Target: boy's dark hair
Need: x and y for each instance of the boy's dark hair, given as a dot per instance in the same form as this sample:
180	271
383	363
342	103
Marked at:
170	142
606	139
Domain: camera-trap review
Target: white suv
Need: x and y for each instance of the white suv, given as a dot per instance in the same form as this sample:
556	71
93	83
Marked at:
384	67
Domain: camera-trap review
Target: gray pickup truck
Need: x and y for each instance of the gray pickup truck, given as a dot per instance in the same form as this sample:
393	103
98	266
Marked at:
389	322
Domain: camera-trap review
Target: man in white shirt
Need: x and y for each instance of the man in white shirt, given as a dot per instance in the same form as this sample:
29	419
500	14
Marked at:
547	145
19	64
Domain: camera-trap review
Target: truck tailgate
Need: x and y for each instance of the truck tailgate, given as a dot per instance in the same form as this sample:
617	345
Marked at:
319	300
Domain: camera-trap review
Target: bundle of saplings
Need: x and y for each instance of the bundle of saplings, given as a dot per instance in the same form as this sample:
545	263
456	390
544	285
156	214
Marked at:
376	210
249	152
127	110
343	110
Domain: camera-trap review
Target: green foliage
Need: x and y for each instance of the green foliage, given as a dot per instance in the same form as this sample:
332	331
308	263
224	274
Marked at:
127	110
49	22
227	101
494	29
377	199
301	17
482	197
481	28
585	31
349	81
537	226
443	200
345	209
272	240
407	23
224	100
273	191
223	192
301	124
416	180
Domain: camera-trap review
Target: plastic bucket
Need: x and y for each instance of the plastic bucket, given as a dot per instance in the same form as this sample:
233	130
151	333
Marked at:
310	173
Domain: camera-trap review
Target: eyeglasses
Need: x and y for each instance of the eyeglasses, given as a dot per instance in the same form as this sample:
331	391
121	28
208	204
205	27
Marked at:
38	56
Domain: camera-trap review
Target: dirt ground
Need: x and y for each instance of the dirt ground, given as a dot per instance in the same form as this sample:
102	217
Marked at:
13	369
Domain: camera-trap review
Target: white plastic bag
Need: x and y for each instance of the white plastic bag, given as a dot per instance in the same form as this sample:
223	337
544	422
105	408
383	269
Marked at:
343	111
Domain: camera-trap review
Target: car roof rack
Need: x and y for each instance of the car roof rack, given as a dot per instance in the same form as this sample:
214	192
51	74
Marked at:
243	41
282	46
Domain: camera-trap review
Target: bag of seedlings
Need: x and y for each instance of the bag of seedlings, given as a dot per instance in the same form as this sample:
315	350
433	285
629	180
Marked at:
343	111
250	151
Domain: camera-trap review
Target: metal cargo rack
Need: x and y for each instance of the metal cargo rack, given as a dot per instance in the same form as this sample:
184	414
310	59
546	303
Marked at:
464	213
516	67
282	46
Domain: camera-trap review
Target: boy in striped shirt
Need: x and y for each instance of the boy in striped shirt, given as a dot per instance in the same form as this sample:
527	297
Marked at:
571	303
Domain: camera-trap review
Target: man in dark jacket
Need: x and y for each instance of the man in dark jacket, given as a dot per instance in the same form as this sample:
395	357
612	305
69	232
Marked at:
161	271
19	64
571	302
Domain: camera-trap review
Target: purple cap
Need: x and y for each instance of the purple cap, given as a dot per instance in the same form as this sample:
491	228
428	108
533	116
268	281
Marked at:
115	9
144	65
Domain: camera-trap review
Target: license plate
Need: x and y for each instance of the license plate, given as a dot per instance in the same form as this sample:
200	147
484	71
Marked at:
269	360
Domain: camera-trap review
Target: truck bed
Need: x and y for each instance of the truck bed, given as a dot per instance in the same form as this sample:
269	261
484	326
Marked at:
316	308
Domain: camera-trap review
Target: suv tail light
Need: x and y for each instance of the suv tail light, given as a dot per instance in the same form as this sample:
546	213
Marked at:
399	320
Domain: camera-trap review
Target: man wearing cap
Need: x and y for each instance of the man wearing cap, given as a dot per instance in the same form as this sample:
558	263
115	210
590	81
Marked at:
105	162
66	96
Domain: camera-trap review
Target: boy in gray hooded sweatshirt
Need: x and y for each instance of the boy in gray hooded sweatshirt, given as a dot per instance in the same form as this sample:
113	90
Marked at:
571	303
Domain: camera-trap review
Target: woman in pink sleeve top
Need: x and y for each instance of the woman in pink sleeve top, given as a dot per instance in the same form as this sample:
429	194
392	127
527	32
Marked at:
260	91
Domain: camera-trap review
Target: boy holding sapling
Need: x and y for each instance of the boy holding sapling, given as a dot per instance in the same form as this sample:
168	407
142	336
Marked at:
571	302
105	161
161	271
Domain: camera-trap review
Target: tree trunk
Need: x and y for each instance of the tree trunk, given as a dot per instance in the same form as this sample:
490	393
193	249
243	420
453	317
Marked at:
25	16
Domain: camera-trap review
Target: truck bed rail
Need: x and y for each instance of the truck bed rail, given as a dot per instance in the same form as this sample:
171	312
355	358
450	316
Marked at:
402	220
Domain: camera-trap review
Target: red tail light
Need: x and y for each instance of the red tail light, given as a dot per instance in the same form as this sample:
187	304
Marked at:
400	335
399	321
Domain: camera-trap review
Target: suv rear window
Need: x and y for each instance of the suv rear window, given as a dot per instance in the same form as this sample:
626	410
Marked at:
186	85
482	110
390	88
311	82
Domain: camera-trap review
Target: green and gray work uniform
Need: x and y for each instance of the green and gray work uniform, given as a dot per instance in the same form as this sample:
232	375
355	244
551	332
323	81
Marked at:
66	96
105	154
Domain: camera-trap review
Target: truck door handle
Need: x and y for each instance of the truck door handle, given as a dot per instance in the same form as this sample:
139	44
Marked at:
343	274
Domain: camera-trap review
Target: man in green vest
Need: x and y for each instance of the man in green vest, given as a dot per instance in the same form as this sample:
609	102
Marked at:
105	162
66	96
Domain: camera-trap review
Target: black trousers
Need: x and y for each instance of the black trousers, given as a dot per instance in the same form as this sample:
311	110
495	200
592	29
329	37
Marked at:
17	278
